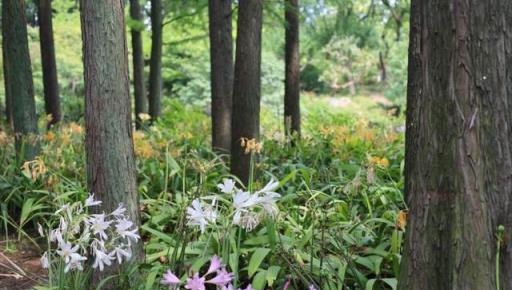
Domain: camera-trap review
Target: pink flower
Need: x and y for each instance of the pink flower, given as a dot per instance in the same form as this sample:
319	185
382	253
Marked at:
215	264
195	283
170	279
312	287
287	285
223	277
249	287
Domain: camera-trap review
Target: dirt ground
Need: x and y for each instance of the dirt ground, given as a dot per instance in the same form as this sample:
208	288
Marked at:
20	267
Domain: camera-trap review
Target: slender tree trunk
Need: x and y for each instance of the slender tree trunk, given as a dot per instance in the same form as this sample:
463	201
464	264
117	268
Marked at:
50	82
155	65
221	60
247	85
292	69
109	146
138	64
458	145
8	111
19	83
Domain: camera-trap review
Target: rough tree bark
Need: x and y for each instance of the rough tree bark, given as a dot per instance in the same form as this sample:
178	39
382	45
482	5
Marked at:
155	65
50	82
18	77
109	146
458	145
138	64
292	69
247	85
221	61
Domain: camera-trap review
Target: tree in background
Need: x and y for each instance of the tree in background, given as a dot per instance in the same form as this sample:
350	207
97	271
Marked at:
109	145
8	110
247	85
18	79
50	82
155	66
221	61
458	146
138	61
292	69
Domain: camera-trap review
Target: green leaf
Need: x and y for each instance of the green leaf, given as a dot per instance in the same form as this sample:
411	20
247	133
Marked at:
256	259
259	281
272	273
150	279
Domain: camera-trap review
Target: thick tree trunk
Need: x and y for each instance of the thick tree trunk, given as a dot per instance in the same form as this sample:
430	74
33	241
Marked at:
155	65
458	145
221	60
247	85
109	146
50	82
138	64
292	69
19	81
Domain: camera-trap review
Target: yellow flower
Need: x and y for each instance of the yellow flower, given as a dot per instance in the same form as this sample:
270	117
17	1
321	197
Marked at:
401	220
34	169
250	145
383	162
75	128
144	117
49	118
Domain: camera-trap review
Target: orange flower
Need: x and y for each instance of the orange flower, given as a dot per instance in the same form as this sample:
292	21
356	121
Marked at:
401	220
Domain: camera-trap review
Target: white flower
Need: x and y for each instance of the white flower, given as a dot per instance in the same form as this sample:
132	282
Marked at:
99	225
268	202
66	208
119	210
56	236
44	261
40	229
91	202
75	263
228	186
198	217
119	252
98	245
122	228
269	188
102	259
68	252
244	199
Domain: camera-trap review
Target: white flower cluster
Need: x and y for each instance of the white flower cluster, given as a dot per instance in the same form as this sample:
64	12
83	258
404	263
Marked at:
248	208
108	236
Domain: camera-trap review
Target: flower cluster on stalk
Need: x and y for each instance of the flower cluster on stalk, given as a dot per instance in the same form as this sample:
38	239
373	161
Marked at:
107	237
247	208
217	275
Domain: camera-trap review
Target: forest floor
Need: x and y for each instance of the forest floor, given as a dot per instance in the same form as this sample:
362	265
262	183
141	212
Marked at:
20	268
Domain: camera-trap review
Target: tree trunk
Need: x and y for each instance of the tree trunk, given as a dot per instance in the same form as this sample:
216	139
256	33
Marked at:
51	85
155	65
8	111
138	64
221	61
458	145
292	69
19	83
247	85
109	146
